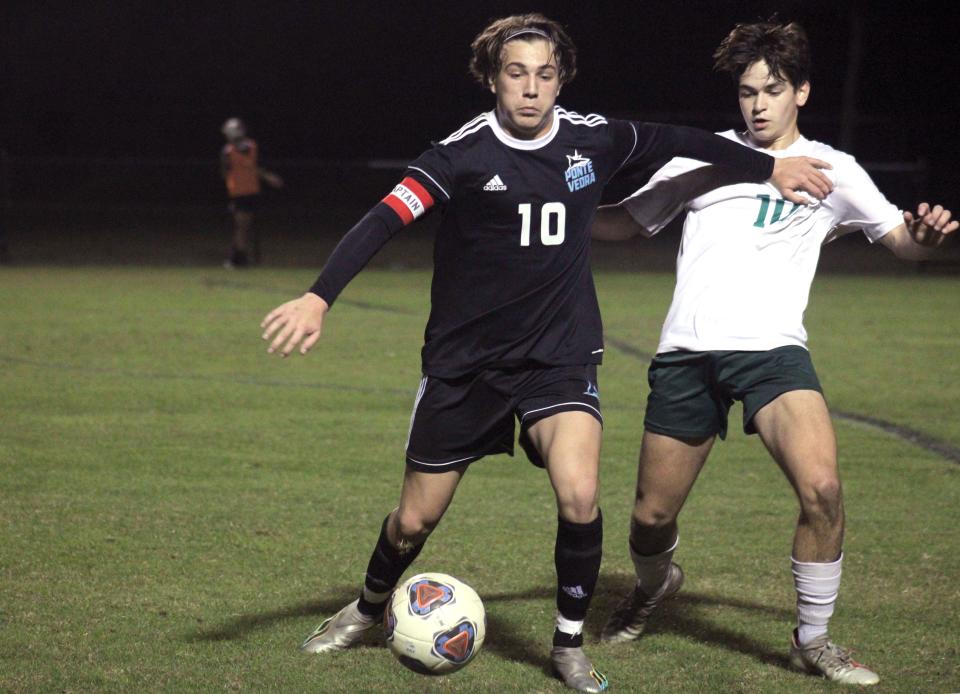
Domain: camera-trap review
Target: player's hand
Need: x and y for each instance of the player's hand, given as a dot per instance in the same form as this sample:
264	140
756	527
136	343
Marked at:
792	174
930	226
295	323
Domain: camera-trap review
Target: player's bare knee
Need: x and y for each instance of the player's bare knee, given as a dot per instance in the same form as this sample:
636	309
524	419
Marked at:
578	503
822	500
412	529
652	519
579	513
654	511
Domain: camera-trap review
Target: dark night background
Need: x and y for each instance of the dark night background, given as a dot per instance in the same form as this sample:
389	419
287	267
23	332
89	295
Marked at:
151	82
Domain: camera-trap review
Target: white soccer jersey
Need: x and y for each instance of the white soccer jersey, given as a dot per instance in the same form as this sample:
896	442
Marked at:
747	256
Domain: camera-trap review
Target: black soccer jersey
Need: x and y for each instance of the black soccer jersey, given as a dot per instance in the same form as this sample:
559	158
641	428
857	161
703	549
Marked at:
512	283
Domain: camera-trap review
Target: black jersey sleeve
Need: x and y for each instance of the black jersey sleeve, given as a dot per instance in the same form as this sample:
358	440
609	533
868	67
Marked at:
434	170
644	144
356	249
428	180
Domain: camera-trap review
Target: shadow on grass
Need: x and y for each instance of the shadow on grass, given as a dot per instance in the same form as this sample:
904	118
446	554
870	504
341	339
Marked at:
239	627
681	615
505	641
504	638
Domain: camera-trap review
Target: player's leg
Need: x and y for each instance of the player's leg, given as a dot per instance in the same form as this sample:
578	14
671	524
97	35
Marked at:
242	228
254	243
559	411
568	443
666	472
684	415
453	424
253	238
783	402
424	498
797	430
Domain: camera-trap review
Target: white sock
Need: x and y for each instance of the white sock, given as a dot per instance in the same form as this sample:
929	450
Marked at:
569	626
652	569
817	586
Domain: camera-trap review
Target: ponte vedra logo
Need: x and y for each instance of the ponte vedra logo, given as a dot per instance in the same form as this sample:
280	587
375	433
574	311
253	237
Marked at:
579	172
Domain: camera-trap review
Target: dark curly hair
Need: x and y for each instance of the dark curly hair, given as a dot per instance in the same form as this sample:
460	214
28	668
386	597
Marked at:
783	47
487	47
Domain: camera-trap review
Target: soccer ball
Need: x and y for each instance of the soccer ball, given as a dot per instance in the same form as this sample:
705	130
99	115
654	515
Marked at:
435	624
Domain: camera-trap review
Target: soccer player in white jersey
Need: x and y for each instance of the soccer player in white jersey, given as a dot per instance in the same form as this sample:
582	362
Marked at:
734	332
514	332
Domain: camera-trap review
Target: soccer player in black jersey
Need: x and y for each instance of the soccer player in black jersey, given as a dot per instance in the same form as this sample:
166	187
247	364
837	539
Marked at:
514	329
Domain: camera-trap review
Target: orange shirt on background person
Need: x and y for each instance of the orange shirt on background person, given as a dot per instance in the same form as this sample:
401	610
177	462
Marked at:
240	165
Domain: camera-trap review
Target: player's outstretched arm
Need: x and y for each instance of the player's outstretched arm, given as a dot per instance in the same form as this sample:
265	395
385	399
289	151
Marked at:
788	174
614	223
295	324
270	178
298	323
921	232
792	174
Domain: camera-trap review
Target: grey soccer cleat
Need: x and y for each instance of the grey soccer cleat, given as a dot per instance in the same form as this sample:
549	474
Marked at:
823	657
630	618
575	669
340	631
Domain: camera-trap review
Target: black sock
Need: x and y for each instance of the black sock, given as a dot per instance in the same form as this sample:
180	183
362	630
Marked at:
386	566
238	258
577	558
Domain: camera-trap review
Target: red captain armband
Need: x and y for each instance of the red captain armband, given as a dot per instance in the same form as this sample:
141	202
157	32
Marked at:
409	200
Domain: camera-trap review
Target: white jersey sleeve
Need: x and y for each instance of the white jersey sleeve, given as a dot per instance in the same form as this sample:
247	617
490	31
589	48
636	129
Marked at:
857	203
665	195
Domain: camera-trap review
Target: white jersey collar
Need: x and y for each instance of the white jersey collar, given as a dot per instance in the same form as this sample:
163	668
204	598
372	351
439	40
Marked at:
516	143
744	137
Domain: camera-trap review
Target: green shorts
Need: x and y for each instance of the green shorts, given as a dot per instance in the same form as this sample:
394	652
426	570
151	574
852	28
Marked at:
691	392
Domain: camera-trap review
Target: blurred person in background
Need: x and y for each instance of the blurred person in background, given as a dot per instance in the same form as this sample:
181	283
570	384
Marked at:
242	175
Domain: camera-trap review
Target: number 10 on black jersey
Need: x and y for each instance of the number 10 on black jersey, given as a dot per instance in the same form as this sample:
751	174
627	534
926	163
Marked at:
553	222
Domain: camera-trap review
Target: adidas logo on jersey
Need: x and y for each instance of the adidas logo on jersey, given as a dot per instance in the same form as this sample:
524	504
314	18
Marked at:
495	184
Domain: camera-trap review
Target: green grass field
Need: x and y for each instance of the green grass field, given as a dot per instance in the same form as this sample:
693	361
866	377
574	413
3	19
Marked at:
179	509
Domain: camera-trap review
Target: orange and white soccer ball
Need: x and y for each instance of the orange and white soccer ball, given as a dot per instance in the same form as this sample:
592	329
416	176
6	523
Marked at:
435	624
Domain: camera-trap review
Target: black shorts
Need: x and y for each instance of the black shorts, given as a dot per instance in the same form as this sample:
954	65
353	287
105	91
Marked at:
458	421
243	203
691	392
